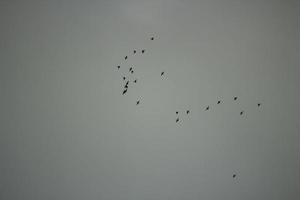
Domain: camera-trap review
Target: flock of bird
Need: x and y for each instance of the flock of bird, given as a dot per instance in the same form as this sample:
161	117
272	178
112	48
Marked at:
187	112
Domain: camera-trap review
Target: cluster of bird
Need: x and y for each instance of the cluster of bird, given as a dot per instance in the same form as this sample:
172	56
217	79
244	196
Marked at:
131	71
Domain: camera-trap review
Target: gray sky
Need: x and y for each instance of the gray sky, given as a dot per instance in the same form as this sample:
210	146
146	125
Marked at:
67	132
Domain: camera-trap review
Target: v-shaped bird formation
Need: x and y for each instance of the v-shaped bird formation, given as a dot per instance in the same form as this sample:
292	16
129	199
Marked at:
131	72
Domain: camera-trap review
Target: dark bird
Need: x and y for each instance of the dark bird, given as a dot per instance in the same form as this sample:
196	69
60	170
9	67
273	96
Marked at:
138	102
176	112
258	104
124	77
118	66
124	91
242	112
126	57
130	68
177	120
135	81
207	108
162	73
218	102
152	38
132	71
234	175
235	98
143	51
134	51
187	112
126	86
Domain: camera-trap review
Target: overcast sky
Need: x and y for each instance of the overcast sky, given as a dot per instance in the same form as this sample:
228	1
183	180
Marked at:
67	132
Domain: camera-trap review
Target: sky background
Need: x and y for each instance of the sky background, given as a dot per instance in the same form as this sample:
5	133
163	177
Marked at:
67	132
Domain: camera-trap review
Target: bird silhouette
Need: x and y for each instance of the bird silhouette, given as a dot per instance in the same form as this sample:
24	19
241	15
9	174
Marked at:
176	112
187	112
124	77
207	108
218	102
134	51
242	112
152	38
126	86
258	104
130	68
235	98
177	120
118	66
234	175
138	102
162	73
124	91
132	71
135	81
126	57
143	51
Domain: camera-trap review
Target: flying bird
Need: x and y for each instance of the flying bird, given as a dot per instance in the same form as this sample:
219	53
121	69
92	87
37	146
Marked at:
177	120
135	80
130	68
176	112
134	51
242	112
126	57
118	66
124	91
258	104
162	73
143	51
235	98
234	175
124	77
207	108
138	102
187	112
132	71
218	102
152	38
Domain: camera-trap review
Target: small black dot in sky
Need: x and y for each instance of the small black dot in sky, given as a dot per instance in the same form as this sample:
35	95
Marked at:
143	51
152	38
134	51
187	112
218	102
235	98
258	104
234	175
207	108
242	112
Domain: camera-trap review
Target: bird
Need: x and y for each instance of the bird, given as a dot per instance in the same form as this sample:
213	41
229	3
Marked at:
242	112
235	98
134	51
176	112
162	73
218	102
187	112
138	102
258	104
126	57
126	86
124	77
177	120
135	81
132	71
124	91
152	38
234	175
130	68
207	108
118	66
143	51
